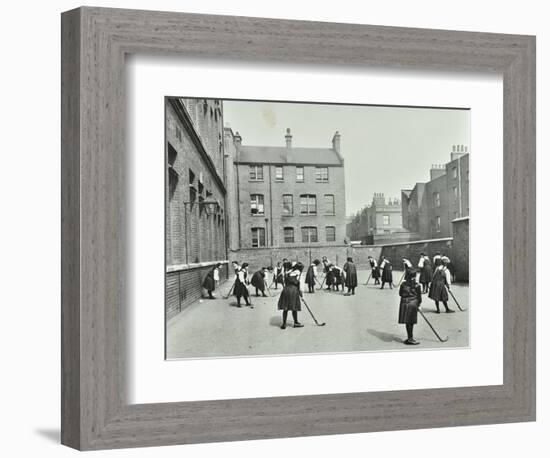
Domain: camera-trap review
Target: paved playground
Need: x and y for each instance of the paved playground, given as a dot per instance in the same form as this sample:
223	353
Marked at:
366	321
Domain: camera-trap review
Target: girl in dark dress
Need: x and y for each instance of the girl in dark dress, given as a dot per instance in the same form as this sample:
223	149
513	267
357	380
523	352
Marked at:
329	276
258	281
375	270
337	279
209	282
311	276
290	296
411	298
441	282
426	272
387	276
351	276
240	289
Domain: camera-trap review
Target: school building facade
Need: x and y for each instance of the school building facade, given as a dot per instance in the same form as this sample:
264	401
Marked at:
284	197
196	192
429	209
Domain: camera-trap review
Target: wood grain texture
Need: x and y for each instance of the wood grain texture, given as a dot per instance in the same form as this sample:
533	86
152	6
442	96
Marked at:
96	414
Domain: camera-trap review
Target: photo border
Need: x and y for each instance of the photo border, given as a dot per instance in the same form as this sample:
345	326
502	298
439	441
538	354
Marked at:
95	412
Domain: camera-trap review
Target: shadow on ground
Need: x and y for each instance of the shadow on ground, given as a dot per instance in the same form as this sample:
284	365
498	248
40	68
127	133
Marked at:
276	321
384	336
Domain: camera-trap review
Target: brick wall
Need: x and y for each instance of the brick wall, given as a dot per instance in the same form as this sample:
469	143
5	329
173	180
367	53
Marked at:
264	257
184	286
273	191
461	251
192	234
397	251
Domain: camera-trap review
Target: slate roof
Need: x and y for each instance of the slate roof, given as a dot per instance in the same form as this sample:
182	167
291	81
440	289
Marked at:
278	155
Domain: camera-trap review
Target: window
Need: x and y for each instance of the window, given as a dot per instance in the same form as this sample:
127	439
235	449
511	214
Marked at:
288	206
455	173
329	204
386	220
455	192
288	233
321	173
437	199
258	237
309	234
456	215
257	204
300	174
308	204
438	223
278	173
256	173
468	175
178	133
173	176
331	233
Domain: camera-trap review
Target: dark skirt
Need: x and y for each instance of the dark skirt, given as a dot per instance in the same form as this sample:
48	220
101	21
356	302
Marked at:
375	272
329	278
351	276
290	298
408	310
426	274
310	277
258	281
240	289
387	275
208	283
438	291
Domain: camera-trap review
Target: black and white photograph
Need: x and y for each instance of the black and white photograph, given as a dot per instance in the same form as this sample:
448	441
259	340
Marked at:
304	227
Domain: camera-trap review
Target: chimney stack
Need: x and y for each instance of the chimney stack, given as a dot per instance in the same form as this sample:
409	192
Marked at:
458	151
237	139
336	142
288	138
436	171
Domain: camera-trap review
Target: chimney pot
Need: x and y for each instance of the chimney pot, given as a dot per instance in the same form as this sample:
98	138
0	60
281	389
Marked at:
288	138
238	139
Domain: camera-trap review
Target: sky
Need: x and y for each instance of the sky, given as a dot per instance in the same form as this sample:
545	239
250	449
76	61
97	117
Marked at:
385	148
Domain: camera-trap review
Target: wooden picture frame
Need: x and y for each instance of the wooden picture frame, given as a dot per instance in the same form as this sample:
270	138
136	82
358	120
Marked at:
95	413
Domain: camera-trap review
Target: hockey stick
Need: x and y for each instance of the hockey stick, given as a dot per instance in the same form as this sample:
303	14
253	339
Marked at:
432	328
311	313
321	285
456	302
401	279
368	279
230	289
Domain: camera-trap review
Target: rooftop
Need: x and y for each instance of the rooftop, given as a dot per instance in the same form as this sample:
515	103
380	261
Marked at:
280	155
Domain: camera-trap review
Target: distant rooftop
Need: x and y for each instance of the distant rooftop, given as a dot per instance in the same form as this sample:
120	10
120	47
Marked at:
279	155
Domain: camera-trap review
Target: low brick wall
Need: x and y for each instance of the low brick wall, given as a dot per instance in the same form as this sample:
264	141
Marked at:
461	249
264	257
184	286
411	250
456	248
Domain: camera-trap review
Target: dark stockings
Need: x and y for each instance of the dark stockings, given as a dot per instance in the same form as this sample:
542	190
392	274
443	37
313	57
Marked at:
294	316
444	304
409	328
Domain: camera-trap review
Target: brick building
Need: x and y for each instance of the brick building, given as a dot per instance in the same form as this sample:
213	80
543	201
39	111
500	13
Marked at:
285	196
429	209
195	197
378	222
